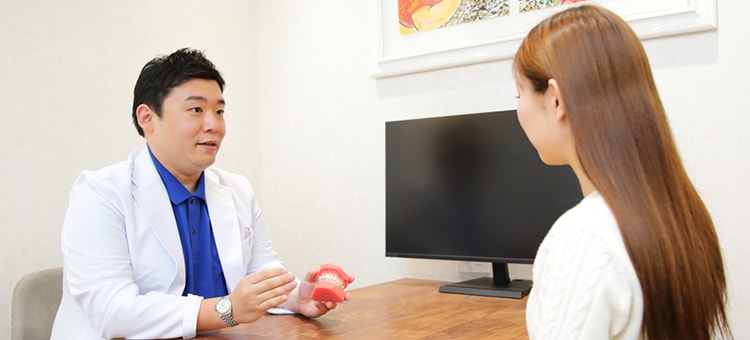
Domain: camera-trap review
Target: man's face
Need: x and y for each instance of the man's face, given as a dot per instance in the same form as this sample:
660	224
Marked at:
187	136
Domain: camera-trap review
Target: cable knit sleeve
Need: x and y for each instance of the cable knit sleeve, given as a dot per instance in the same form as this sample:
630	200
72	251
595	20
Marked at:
585	286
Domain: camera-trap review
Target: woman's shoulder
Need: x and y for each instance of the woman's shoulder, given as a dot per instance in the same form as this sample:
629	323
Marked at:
585	245
591	220
584	281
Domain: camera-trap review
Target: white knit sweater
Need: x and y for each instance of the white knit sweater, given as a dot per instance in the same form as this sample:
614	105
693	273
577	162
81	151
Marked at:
585	286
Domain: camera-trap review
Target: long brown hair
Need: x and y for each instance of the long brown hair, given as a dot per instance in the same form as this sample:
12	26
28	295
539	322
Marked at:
625	147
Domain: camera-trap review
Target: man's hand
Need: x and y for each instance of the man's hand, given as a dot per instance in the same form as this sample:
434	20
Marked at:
309	307
258	292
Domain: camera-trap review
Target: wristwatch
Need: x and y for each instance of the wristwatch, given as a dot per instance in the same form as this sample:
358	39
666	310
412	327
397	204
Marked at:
224	308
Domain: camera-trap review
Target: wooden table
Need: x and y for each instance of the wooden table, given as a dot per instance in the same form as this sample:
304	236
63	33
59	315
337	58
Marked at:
406	308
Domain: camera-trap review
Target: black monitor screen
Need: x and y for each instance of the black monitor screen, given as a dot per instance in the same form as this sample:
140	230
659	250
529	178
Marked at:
470	187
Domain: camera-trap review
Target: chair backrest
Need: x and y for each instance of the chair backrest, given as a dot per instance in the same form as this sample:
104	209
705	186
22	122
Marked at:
35	301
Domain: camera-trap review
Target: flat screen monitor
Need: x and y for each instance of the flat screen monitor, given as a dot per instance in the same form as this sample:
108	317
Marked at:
471	187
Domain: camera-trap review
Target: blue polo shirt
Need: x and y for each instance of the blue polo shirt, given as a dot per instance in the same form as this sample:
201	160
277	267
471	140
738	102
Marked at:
204	275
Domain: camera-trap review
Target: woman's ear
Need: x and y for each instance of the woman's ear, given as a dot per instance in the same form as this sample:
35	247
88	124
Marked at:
555	99
145	117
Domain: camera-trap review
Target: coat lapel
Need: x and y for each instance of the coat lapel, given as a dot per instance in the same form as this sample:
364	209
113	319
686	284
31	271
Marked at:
226	229
151	197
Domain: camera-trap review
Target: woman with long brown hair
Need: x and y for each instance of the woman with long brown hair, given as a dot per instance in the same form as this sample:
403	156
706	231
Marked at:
638	257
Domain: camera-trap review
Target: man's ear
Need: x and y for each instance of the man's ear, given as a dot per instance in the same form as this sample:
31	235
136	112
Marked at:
145	116
555	99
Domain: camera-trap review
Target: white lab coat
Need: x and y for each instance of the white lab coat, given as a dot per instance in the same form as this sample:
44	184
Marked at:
124	271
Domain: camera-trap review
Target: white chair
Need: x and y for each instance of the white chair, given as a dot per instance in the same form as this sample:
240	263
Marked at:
35	301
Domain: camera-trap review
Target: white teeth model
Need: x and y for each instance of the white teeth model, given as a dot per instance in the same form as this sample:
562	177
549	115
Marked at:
327	277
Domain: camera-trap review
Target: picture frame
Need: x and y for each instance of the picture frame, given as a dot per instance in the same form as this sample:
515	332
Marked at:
499	38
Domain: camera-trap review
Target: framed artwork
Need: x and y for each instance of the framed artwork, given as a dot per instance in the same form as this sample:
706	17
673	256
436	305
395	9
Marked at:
424	35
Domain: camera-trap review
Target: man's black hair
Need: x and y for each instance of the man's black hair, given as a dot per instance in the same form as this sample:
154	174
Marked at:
160	75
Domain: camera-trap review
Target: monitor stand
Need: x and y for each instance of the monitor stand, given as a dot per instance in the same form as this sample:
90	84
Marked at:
499	285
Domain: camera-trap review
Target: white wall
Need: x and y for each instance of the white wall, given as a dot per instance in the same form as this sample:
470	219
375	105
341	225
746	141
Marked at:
307	121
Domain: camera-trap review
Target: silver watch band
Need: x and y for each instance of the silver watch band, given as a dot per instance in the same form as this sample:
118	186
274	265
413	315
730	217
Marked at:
229	320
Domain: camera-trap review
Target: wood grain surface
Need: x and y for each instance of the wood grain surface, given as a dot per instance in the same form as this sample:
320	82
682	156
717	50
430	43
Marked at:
401	309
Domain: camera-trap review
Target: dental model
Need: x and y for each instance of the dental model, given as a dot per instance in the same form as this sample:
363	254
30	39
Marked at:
331	282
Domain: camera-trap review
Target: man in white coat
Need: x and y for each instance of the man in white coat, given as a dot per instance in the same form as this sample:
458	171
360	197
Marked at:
164	245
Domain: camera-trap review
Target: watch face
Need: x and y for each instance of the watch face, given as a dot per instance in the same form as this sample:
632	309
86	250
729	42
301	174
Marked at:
223	306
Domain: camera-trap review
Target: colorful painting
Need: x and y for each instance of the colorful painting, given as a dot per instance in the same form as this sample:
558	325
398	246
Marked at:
425	35
425	15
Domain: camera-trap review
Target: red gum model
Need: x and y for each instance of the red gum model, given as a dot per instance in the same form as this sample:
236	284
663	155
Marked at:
331	282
